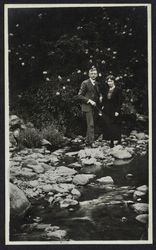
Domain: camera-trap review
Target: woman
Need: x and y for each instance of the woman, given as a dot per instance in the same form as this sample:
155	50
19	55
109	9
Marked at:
111	105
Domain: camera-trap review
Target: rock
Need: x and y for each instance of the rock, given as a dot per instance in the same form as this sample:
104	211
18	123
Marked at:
68	202
47	188
75	165
70	154
53	159
140	208
121	154
14	121
65	171
75	192
120	162
42	226
44	160
140	136
45	166
106	180
44	142
12	140
29	162
82	179
62	188
27	175
38	169
90	161
19	203
57	235
143	189
143	218
91	169
33	183
129	176
97	153
116	148
138	194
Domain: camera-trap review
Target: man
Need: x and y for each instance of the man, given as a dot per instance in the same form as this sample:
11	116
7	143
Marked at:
89	96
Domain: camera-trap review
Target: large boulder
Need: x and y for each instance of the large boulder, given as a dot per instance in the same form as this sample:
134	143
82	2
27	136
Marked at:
143	188
19	203
143	218
14	121
140	208
65	171
121	154
106	180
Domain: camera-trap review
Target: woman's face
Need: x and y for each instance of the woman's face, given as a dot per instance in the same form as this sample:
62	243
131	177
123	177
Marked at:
110	83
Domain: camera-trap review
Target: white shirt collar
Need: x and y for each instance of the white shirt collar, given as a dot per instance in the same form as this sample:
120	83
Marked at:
92	81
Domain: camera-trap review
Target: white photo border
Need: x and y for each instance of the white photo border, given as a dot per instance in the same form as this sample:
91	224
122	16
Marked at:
7	200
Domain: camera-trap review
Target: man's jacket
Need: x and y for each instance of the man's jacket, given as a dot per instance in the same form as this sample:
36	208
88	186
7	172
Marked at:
86	92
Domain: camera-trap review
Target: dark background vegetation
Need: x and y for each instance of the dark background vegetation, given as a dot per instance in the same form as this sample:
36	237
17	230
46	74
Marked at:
51	50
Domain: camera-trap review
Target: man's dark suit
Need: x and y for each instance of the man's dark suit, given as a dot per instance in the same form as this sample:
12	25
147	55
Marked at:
86	92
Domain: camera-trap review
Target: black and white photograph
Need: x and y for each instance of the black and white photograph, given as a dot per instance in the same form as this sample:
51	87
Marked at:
78	124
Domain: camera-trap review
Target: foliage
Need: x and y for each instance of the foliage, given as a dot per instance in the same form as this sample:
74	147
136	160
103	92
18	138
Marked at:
53	135
50	59
30	138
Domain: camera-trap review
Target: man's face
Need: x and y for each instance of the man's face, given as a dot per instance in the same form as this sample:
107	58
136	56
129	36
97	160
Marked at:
93	74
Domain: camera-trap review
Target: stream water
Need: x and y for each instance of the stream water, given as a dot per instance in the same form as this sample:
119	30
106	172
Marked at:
103	212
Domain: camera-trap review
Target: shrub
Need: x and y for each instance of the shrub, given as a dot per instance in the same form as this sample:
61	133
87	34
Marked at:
53	135
30	138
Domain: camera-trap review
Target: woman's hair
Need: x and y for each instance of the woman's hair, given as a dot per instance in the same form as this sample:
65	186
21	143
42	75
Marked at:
112	77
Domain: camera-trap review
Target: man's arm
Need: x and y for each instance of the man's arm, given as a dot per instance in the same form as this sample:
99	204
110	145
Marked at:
82	93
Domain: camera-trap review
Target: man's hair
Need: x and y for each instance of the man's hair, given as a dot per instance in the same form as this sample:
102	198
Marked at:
92	69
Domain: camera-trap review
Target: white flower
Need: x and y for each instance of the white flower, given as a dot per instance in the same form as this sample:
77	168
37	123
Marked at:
114	52
47	79
108	49
125	75
130	34
85	73
97	50
44	72
20	58
64	87
59	77
91	56
57	93
68	80
11	34
22	63
117	78
114	57
90	60
100	74
103	62
86	51
79	71
33	57
17	25
17	53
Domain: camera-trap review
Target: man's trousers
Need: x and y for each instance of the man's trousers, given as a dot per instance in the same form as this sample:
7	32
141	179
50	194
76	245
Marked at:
90	126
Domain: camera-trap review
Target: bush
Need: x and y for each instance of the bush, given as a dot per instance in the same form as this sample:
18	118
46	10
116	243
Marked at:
30	138
53	135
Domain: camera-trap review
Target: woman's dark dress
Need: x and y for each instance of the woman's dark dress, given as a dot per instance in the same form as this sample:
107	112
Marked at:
111	125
